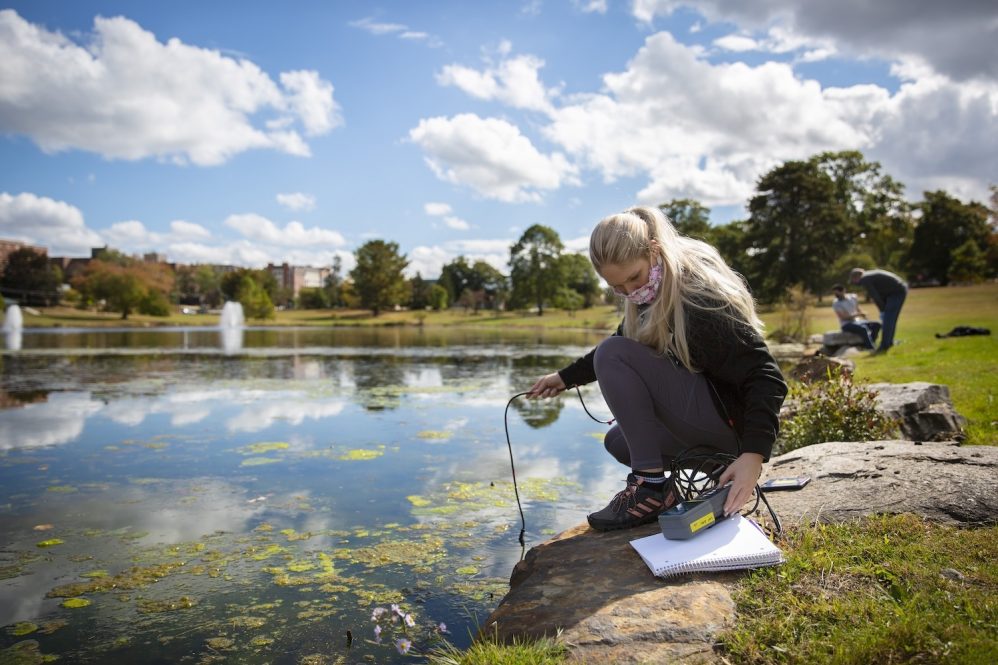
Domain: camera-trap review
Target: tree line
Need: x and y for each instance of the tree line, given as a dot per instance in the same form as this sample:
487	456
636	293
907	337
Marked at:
808	224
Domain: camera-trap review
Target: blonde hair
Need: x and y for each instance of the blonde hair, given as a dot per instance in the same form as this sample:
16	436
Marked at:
694	276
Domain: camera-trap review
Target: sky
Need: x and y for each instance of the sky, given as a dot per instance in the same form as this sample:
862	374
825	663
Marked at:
251	132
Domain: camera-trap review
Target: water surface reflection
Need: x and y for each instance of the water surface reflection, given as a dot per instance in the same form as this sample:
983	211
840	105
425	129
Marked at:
260	505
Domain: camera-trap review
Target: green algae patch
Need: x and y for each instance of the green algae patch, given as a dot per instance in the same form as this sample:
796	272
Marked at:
418	501
10	572
416	553
467	570
259	461
361	454
270	550
220	643
22	628
261	641
263	447
51	542
75	603
94	574
435	434
264	527
148	606
136	577
248	622
300	566
61	489
27	652
293	535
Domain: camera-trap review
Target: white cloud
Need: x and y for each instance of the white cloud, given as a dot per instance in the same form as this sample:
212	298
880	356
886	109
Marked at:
514	81
181	229
591	6
399	30
437	209
297	201
46	222
429	260
126	95
259	228
456	223
955	39
737	43
491	156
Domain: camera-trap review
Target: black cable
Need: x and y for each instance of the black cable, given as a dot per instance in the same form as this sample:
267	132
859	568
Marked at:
512	467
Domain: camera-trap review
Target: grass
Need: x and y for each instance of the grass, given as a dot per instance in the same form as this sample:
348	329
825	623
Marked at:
489	651
885	589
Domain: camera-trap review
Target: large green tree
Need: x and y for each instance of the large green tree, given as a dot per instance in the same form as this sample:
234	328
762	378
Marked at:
377	277
30	277
457	277
946	224
874	204
578	275
535	267
690	217
796	228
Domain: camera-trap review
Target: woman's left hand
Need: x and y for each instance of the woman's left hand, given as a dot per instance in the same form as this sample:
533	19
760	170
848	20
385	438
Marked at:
743	474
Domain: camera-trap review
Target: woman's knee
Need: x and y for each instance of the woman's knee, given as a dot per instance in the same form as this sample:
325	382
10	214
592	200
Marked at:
611	350
616	445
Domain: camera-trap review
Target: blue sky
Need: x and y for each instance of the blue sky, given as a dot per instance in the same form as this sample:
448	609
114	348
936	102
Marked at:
248	132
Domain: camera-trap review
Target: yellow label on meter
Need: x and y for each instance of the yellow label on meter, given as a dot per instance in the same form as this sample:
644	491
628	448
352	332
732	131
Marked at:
704	521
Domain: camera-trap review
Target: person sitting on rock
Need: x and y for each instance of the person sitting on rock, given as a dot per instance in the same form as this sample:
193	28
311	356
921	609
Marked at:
852	319
688	367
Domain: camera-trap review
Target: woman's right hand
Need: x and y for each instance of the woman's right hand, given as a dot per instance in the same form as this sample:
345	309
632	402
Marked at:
548	385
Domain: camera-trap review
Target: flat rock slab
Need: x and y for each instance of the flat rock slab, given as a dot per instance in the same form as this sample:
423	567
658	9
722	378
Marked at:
944	481
609	608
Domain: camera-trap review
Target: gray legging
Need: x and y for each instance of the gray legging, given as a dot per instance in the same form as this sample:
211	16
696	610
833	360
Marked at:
661	408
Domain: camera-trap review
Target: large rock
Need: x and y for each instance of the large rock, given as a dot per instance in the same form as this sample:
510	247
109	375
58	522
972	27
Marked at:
610	608
944	481
924	411
833	339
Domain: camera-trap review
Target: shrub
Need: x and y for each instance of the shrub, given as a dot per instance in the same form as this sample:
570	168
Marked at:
832	410
795	317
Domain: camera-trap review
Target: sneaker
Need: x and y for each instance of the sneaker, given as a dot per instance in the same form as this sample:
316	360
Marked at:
633	506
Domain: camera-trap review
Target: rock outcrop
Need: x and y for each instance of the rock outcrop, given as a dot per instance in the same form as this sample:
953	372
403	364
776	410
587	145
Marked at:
924	411
594	588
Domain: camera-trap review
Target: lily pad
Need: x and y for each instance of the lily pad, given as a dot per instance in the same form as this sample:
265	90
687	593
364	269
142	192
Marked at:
52	542
22	628
263	447
74	603
259	461
359	454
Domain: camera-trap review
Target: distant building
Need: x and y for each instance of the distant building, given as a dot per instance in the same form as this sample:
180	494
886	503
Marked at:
296	278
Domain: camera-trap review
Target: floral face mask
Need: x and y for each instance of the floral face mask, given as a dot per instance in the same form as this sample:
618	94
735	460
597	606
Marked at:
648	292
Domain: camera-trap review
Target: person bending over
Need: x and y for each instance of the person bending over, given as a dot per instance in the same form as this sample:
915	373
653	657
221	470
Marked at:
888	291
687	368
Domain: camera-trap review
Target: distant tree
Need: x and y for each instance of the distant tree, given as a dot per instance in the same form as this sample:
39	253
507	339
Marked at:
457	276
30	277
438	297
731	242
313	298
946	224
689	217
568	299
535	267
209	286
334	283
127	285
967	263
490	283
378	277
577	274
874	204
255	300
420	290
796	228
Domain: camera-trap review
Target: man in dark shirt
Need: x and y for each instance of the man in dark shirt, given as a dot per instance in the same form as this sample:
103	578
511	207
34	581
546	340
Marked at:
888	292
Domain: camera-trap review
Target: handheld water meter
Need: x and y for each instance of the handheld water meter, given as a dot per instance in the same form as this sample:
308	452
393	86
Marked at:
688	518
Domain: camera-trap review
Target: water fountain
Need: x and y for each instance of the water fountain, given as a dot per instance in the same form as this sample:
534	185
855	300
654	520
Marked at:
13	323
231	326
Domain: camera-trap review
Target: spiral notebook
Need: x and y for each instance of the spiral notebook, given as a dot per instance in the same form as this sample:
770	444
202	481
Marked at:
730	544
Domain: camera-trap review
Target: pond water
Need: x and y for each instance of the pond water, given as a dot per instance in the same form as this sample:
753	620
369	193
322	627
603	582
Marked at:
172	496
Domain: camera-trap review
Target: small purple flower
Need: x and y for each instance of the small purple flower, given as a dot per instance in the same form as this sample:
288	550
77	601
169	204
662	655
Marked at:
442	627
409	621
377	634
396	610
376	614
403	645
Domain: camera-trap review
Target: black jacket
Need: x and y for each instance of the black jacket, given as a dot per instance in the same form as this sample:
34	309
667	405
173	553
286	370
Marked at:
748	386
